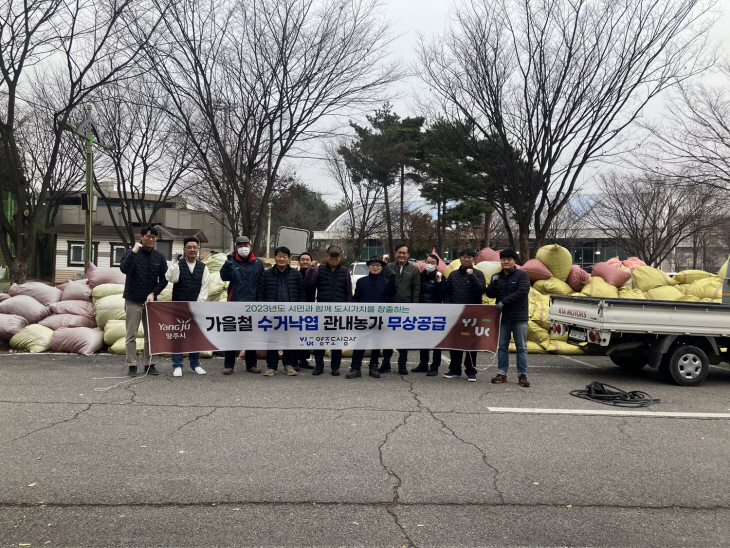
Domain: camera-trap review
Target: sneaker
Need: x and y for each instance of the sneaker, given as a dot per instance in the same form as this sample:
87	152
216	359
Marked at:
269	372
498	378
289	370
421	368
471	377
228	371
132	371
177	372
402	370
199	370
452	374
353	374
253	369
522	380
150	369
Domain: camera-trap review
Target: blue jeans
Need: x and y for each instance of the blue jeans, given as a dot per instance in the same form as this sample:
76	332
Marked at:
506	330
177	360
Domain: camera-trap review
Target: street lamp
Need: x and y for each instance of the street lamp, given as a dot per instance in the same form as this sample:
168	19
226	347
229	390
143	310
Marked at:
87	130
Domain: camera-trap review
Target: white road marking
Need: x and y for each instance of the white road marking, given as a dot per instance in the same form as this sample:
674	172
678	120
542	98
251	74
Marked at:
581	362
611	412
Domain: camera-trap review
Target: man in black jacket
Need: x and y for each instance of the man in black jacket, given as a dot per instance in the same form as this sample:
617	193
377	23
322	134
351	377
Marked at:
511	288
334	285
464	286
373	288
281	284
305	262
433	289
145	268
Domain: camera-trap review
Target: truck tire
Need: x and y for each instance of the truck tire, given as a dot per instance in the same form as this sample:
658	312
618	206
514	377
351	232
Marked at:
686	365
630	363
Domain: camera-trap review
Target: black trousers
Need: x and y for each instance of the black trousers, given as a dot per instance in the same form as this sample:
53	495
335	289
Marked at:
302	355
336	359
402	356
470	361
272	358
358	355
436	358
229	358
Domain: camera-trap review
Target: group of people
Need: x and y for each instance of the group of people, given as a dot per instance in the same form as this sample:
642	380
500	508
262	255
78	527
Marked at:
399	281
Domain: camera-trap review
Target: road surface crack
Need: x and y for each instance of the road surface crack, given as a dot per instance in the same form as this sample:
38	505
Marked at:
204	415
56	423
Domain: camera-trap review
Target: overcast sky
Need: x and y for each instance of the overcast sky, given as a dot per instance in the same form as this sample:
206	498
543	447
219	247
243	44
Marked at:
408	18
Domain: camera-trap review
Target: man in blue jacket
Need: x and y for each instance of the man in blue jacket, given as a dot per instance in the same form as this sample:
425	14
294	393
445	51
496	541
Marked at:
145	268
373	288
511	288
242	270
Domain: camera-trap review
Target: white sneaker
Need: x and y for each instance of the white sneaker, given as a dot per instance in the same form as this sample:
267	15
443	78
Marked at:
177	372
199	370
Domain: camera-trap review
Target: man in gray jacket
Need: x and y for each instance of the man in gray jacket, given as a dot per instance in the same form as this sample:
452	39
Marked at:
408	290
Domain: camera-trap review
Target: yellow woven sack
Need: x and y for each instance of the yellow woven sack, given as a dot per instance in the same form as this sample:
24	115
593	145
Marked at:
215	262
707	288
552	286
33	338
665	293
722	271
119	347
689	299
557	259
117	329
598	287
487	300
561	338
536	333
690	276
628	293
532	348
564	348
453	265
104	290
647	278
540	312
109	308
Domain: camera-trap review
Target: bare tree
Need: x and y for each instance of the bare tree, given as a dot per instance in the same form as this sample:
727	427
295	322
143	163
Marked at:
151	161
363	201
250	81
556	84
649	218
62	50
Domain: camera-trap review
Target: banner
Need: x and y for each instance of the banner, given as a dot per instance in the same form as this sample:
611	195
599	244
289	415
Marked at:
179	327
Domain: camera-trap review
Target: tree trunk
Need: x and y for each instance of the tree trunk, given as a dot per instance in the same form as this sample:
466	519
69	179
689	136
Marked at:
524	243
440	240
388	223
402	202
488	227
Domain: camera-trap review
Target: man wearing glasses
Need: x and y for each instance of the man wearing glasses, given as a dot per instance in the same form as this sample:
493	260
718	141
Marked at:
191	279
145	268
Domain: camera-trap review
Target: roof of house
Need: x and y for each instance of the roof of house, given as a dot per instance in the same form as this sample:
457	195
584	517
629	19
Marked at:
168	233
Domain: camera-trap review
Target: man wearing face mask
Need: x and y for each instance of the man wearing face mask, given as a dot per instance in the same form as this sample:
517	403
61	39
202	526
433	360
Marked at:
242	270
408	284
191	280
334	285
433	289
464	286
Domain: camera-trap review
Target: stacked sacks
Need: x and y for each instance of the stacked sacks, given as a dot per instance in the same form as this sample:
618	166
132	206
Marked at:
536	270
557	259
217	287
577	278
688	277
115	333
487	254
44	294
33	338
26	307
647	278
10	324
706	288
611	275
79	340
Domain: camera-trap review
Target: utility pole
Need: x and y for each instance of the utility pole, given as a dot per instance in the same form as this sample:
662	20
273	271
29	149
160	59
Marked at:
268	234
86	130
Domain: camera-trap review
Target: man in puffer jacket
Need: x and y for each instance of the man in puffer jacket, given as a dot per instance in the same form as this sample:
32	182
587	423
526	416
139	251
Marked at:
511	288
281	284
433	289
242	270
145	268
464	286
373	288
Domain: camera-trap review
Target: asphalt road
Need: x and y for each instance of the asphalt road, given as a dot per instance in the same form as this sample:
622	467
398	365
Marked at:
401	461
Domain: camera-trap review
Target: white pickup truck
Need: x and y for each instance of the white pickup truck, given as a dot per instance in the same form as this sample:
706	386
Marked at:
681	339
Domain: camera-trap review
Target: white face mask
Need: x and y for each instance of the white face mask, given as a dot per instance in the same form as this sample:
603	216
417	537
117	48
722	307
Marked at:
244	251
430	267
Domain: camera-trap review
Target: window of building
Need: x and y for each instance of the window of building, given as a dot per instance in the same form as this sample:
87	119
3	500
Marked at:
76	253
164	247
117	254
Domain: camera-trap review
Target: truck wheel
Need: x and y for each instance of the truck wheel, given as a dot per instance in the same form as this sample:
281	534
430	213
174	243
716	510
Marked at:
630	363
688	365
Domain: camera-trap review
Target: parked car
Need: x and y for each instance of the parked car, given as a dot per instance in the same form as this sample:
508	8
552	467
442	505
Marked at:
357	271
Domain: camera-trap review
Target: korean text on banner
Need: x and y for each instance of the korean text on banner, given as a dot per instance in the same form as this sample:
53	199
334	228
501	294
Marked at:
178	327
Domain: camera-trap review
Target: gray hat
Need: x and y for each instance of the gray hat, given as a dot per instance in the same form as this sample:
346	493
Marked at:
334	250
243	240
376	259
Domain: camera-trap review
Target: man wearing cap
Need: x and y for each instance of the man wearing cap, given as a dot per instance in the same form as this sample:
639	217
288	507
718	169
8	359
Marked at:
334	285
408	285
373	288
191	280
466	285
281	284
305	262
242	270
511	288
